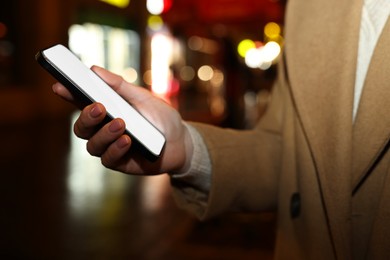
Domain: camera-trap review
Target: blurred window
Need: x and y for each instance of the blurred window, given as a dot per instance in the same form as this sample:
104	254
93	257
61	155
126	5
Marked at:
115	49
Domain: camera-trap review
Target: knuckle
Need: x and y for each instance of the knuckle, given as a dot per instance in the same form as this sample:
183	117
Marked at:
77	131
92	149
80	130
106	160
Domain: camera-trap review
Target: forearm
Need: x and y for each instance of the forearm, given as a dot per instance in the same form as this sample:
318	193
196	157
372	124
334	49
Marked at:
191	188
231	170
245	169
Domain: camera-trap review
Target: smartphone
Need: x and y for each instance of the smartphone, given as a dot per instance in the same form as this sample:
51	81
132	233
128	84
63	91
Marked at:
87	87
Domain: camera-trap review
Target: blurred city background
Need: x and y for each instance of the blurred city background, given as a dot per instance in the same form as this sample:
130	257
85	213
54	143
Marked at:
213	60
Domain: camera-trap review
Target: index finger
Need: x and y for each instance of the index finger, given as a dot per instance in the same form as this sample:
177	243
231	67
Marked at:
63	92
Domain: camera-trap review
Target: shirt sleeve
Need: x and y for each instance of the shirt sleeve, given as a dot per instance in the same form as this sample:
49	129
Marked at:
191	188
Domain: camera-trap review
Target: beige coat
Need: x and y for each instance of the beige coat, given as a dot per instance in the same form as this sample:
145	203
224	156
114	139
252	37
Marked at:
307	144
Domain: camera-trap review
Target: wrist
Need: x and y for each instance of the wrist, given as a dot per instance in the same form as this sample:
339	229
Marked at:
188	148
184	158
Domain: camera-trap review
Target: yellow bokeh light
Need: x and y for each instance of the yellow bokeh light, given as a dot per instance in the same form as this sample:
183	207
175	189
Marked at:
155	22
118	3
244	46
272	30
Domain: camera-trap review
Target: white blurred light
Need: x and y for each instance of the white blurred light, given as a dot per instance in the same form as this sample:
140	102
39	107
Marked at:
91	186
85	181
161	63
130	75
262	57
265	65
87	42
78	38
118	50
253	58
113	48
271	51
205	73
250	98
155	7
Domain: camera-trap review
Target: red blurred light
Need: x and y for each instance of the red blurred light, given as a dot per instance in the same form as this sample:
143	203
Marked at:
167	5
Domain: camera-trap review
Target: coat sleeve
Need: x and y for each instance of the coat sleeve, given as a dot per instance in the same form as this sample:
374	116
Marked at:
245	165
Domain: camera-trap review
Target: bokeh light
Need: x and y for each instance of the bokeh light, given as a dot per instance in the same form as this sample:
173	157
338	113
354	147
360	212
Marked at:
217	79
158	7
262	57
271	51
148	77
272	30
130	75
187	73
118	3
244	46
259	54
160	63
253	58
195	43
155	22
217	106
205	73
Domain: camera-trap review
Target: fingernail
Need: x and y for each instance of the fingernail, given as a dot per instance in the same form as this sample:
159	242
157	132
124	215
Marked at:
123	141
54	88
96	111
115	126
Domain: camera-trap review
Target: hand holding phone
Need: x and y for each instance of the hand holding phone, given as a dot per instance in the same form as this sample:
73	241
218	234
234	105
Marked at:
87	87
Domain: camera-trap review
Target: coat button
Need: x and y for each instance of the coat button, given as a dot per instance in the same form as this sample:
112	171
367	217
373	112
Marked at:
295	205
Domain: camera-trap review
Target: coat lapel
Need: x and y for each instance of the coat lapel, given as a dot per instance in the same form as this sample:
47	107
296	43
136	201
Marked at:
371	142
371	130
321	60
